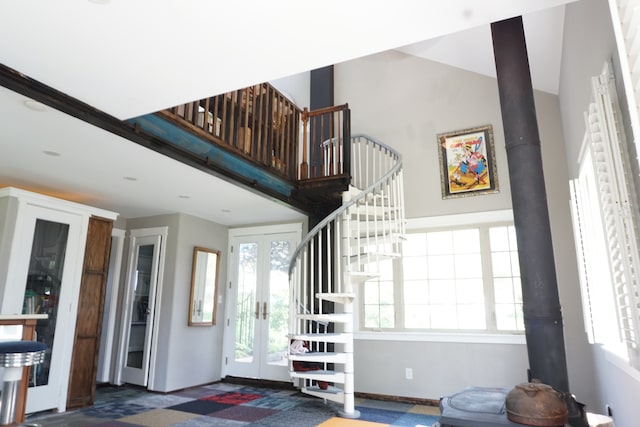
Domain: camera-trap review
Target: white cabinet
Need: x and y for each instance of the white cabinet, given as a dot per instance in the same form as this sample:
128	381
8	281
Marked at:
41	257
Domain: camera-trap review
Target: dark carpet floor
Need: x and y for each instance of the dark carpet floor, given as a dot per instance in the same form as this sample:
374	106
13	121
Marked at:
231	405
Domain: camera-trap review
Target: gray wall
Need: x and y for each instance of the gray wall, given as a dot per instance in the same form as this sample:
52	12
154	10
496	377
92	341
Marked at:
8	213
589	42
405	102
186	356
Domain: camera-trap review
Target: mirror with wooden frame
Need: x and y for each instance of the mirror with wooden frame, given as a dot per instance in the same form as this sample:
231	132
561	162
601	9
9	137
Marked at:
204	287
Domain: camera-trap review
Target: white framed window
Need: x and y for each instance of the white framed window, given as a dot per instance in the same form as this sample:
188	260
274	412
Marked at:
379	299
458	273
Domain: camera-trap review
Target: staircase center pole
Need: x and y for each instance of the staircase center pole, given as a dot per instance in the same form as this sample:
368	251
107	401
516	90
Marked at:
349	408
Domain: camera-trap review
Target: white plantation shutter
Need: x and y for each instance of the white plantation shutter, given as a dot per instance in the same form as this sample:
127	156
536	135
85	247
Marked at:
618	208
625	16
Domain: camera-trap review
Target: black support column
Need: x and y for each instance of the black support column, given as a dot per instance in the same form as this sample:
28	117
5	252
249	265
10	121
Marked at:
542	311
321	88
321	95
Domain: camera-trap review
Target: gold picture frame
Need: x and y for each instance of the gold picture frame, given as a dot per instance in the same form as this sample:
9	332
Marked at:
467	162
204	287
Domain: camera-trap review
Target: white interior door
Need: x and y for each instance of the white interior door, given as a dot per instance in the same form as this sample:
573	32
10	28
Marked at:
258	302
140	301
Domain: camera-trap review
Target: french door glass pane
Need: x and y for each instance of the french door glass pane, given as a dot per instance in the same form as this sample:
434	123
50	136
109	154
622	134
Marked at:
140	307
246	309
278	315
43	288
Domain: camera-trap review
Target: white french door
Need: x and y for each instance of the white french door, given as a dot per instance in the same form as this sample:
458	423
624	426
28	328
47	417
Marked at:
258	301
144	277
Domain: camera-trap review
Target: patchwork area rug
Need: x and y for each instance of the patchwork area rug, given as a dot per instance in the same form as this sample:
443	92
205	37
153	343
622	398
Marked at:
232	405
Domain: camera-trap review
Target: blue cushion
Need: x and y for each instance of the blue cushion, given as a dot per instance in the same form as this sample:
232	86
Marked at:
21	346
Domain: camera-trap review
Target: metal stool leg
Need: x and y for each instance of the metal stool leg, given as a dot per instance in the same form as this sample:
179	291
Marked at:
14	356
11	381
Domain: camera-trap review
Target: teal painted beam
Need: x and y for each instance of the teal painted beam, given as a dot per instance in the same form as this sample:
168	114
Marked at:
216	156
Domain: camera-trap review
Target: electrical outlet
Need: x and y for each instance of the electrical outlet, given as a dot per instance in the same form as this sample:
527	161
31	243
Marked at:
408	373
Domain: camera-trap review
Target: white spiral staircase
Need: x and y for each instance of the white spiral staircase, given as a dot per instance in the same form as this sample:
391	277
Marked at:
339	254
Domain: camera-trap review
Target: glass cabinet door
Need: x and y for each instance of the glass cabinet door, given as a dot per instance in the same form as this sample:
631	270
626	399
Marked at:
44	284
46	275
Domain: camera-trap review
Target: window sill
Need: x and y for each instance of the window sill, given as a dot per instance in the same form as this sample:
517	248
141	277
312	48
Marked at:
614	355
462	337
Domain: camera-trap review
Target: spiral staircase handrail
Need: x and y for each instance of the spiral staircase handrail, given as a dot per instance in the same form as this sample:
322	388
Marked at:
335	214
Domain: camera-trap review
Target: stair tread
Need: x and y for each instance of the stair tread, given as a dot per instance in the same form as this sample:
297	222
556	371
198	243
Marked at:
360	276
327	317
320	375
364	233
376	254
334	337
319	356
333	394
340	298
328	390
379	213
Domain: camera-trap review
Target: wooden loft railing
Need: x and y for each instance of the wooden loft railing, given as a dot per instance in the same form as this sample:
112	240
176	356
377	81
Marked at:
325	147
257	122
263	126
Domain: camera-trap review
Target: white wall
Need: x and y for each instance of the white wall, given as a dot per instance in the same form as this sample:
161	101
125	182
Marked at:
8	213
196	349
588	43
405	102
295	87
439	368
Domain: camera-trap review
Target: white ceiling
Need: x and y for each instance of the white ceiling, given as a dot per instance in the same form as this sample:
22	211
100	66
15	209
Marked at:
133	57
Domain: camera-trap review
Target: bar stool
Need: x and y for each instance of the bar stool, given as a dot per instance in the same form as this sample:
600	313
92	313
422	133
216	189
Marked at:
14	356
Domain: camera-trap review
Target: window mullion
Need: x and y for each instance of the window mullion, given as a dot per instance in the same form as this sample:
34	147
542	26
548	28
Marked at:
398	294
487	279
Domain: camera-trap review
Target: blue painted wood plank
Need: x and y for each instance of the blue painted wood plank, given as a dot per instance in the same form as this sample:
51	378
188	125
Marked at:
186	141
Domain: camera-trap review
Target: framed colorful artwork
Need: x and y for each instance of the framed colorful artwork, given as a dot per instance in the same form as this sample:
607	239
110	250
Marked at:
467	162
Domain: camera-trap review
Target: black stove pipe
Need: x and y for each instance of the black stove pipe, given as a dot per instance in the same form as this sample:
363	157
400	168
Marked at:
542	312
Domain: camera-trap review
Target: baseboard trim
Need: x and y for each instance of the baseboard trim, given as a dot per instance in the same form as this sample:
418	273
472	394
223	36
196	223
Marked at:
401	399
289	386
285	385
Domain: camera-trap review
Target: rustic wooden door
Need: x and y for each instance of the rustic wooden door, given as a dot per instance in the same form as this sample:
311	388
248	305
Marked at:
82	379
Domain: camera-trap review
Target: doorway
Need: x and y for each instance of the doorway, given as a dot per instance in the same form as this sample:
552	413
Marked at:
144	279
257	322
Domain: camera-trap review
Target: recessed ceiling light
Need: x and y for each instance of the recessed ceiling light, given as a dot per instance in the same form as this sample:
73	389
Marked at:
51	153
130	178
100	1
184	196
34	105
